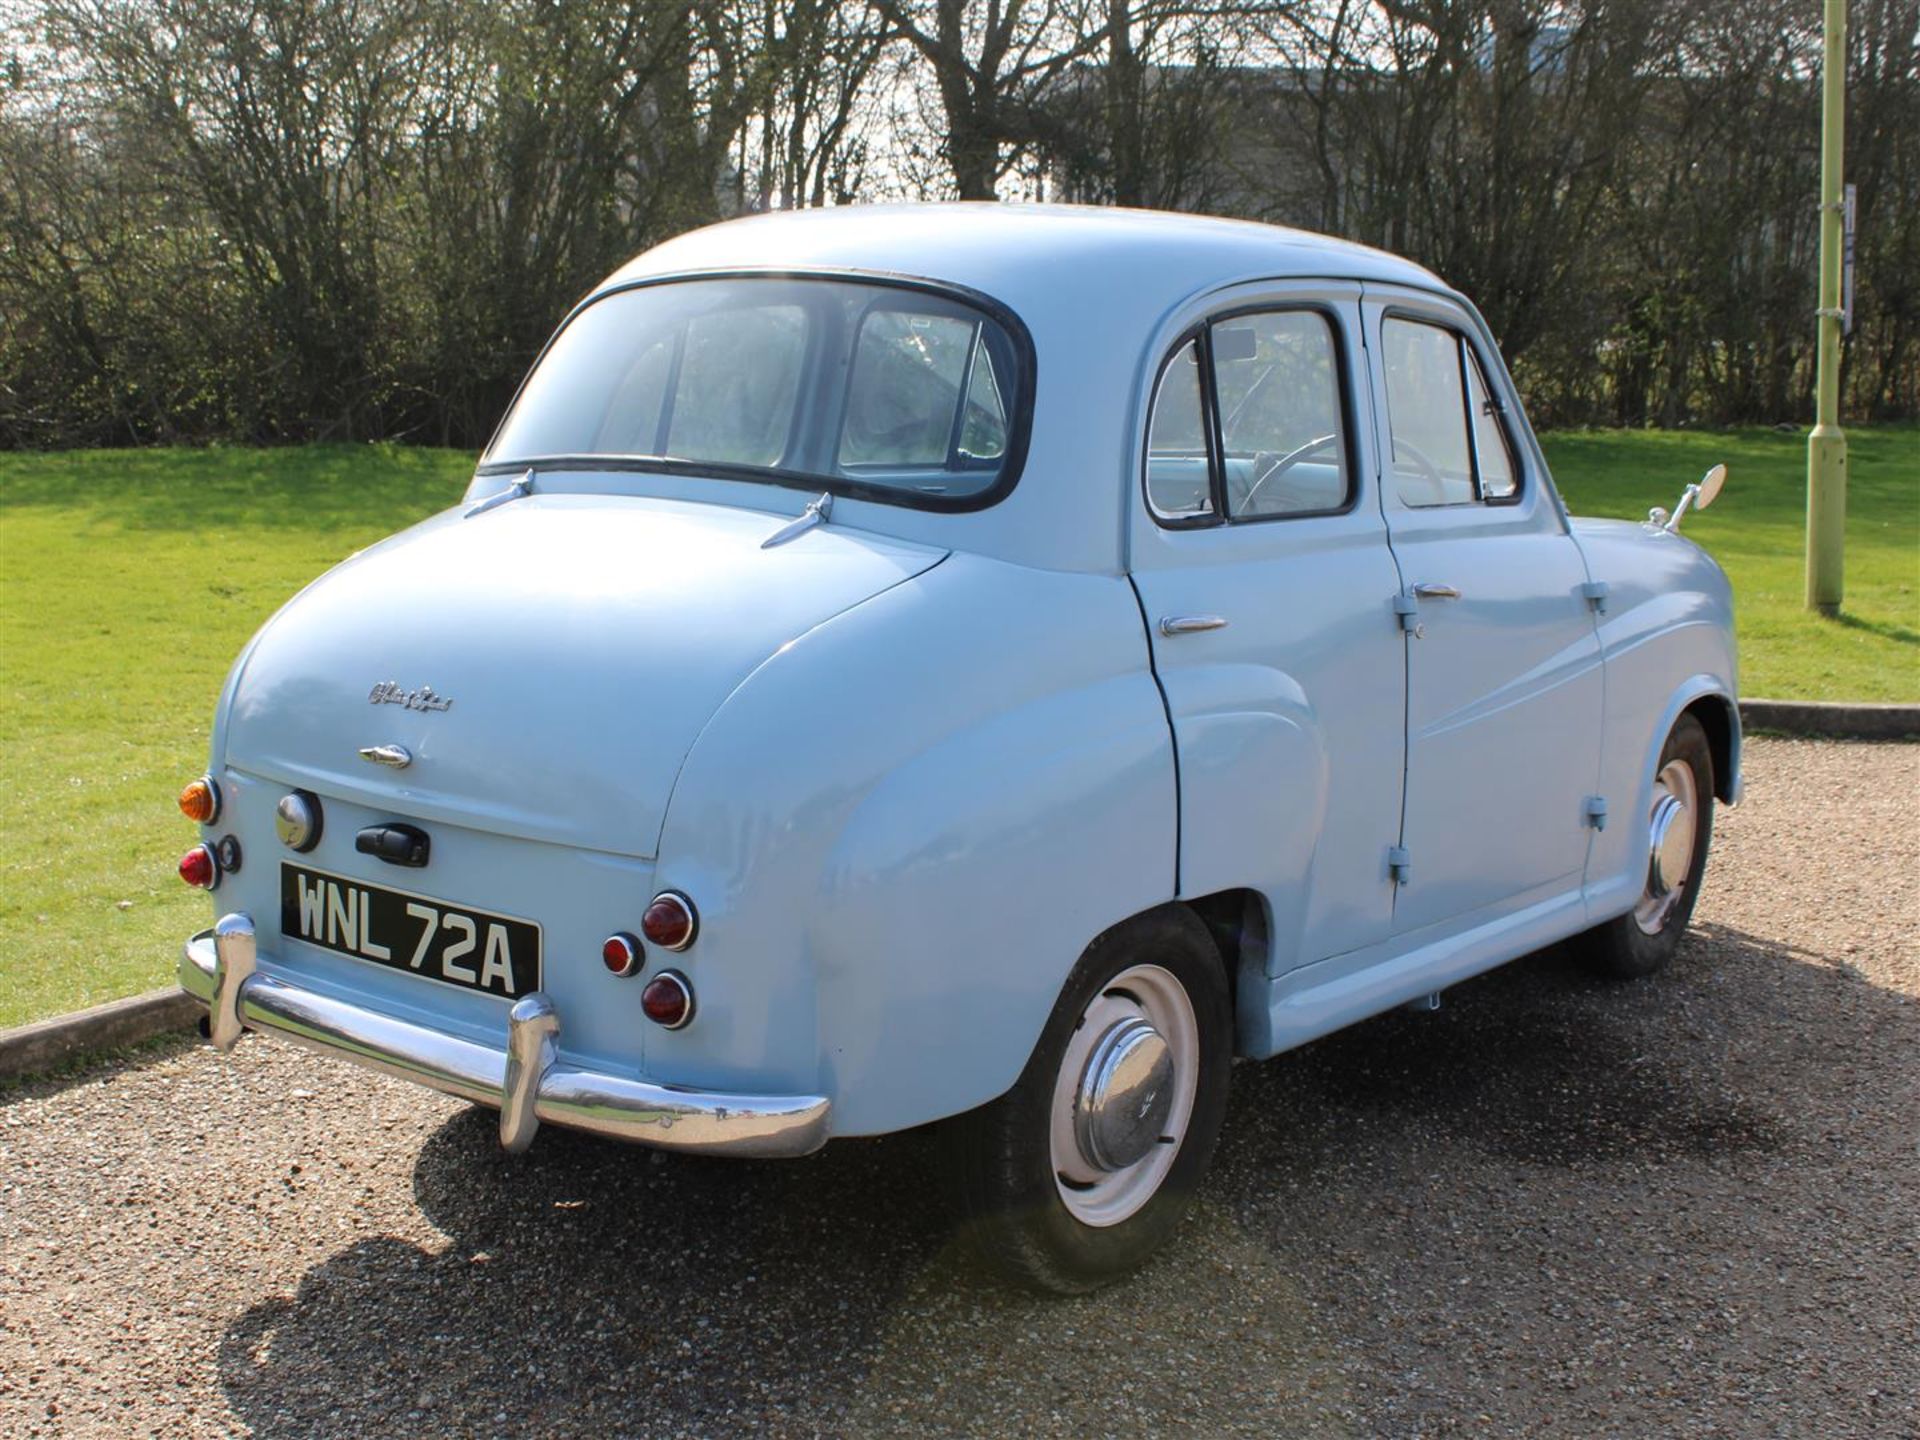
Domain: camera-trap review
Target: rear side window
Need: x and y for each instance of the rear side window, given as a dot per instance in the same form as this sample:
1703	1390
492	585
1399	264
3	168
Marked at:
923	395
1249	422
1449	447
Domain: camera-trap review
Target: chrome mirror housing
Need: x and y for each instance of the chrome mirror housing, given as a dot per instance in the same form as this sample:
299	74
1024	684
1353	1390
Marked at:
1695	497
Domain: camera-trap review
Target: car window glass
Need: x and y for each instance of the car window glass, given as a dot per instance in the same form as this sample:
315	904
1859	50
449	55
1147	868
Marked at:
739	377
1494	460
885	391
1179	485
1427	414
631	424
983	434
908	369
1279	394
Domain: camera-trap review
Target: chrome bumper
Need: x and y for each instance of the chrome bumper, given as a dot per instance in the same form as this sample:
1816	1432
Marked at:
525	1080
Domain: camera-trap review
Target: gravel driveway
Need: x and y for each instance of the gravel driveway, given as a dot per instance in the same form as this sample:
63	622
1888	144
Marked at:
1685	1207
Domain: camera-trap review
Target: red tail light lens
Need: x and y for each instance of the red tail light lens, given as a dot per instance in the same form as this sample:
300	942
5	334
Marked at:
622	954
668	999
199	868
670	921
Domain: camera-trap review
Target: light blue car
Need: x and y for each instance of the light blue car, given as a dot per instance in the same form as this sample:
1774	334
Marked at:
964	663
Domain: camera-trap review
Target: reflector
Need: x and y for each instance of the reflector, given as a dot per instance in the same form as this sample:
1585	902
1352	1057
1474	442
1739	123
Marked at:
622	954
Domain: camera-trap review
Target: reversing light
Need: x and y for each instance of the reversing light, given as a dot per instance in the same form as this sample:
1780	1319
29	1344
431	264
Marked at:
670	921
199	868
621	954
297	820
668	999
200	801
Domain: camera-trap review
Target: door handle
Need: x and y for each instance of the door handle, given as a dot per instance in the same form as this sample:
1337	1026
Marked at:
1436	592
1191	624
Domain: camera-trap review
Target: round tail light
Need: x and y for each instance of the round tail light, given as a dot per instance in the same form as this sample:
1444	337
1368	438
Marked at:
199	868
200	801
668	999
621	954
670	921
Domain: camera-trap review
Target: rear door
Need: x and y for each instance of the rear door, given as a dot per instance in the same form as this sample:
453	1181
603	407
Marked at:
1259	553
1504	691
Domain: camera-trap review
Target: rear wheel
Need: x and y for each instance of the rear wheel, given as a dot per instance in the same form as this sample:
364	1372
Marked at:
1679	826
1085	1168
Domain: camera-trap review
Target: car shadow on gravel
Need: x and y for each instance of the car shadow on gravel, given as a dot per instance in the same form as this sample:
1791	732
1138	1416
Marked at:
1537	1061
591	1286
594	1287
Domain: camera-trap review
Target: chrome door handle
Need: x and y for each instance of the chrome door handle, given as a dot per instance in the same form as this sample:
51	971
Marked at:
1436	592
397	757
1191	624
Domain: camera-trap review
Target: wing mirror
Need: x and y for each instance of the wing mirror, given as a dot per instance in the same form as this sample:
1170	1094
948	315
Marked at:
1694	497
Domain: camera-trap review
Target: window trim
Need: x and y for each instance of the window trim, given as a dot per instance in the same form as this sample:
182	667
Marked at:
1215	433
1465	345
1020	403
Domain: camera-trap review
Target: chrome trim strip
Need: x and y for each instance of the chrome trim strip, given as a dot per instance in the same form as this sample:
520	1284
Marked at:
524	1078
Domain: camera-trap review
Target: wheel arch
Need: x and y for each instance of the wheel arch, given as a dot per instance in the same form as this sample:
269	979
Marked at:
1720	718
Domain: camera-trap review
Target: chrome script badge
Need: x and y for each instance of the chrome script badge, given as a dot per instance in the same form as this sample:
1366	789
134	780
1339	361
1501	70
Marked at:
388	692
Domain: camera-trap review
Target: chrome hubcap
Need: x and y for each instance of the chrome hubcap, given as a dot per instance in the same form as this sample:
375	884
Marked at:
1124	1094
1670	833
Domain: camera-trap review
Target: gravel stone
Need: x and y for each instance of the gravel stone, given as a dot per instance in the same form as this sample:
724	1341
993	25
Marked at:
1557	1207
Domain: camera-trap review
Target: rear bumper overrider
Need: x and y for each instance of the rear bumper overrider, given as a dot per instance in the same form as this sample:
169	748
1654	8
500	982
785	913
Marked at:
523	1077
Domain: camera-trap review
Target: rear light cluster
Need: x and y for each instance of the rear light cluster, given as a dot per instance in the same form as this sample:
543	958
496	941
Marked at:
671	922
200	866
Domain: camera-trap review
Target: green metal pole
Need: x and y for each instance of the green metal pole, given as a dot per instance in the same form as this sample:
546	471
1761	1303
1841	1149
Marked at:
1827	445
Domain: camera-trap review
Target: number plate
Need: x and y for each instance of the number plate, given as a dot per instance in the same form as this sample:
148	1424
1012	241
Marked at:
451	943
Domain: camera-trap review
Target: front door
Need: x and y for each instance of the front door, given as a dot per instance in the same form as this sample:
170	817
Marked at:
1504	686
1260	556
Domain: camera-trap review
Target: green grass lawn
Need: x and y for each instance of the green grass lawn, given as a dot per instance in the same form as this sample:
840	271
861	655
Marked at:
1757	531
130	579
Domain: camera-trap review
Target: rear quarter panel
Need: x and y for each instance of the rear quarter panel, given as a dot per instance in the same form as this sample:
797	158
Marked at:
903	830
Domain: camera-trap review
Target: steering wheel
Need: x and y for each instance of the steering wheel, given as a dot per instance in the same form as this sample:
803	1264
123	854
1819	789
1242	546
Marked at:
1427	473
1270	468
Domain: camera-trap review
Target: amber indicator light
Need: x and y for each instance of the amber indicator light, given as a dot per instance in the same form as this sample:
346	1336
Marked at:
200	801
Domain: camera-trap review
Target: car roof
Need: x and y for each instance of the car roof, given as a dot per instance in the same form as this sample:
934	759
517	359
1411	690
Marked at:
1032	258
